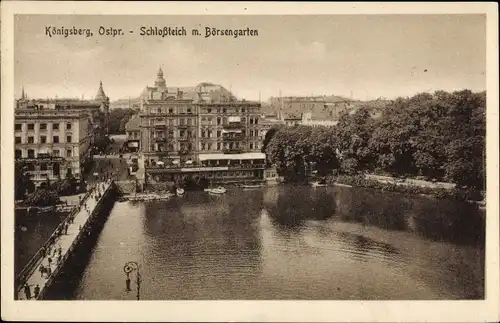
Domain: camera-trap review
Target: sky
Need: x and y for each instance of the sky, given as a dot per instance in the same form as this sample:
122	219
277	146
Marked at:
358	56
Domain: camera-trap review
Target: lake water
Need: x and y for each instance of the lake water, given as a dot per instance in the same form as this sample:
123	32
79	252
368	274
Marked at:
287	242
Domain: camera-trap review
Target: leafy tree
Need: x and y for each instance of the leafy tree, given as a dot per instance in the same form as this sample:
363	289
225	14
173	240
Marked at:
42	197
22	182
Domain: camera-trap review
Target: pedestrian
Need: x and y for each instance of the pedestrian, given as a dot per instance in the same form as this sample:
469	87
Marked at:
42	270
42	252
36	291
59	251
27	291
49	271
66	228
50	261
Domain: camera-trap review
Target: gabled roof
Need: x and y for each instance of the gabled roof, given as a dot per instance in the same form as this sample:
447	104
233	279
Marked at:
134	124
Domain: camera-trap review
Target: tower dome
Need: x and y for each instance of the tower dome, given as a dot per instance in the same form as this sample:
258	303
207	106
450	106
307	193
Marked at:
100	94
160	81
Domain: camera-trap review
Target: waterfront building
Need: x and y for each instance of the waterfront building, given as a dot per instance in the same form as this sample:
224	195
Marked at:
54	137
317	121
52	144
203	131
133	132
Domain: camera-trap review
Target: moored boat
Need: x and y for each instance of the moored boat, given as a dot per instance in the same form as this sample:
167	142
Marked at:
318	184
216	191
248	186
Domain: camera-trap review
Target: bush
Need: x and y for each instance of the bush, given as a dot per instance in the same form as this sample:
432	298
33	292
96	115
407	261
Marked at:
42	197
441	193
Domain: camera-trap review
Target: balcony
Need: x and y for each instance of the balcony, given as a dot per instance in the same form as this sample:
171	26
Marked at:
183	126
160	125
39	158
233	125
237	137
232	150
160	139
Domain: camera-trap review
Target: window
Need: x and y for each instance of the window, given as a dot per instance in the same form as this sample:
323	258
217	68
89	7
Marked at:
203	119
251	120
209	146
210	120
182	133
68	152
171	134
159	110
203	133
18	127
237	110
202	146
251	145
43	139
243	120
31	153
209	110
55	153
224	110
218	146
43	126
170	110
182	122
43	166
68	138
19	153
55	126
242	110
218	133
218	121
170	122
189	110
68	126
256	120
190	146
55	139
189	121
31	167
31	126
31	140
18	140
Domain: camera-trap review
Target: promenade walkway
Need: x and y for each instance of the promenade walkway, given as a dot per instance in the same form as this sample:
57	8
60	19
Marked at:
60	249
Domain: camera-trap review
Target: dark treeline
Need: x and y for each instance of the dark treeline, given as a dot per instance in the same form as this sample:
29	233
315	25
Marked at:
438	136
118	118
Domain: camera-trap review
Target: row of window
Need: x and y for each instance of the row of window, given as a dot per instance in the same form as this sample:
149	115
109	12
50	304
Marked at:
205	146
182	110
55	153
42	140
228	110
231	174
42	126
204	133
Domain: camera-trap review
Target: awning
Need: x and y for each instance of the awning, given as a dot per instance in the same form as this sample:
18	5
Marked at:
244	156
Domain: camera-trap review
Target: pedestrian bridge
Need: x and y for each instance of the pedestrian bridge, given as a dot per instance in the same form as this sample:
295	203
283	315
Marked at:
54	253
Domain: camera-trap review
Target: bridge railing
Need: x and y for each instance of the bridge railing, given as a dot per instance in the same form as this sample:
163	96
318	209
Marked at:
30	266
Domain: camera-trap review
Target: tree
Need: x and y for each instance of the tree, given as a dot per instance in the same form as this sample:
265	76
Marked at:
42	197
22	182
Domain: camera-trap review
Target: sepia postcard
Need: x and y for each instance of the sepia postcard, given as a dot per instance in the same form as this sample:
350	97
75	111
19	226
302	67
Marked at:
249	161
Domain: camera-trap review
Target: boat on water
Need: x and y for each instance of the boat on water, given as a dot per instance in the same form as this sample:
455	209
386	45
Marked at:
318	184
45	210
179	191
216	190
250	186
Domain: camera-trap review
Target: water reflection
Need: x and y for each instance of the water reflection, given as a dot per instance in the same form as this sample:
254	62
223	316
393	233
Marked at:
291	243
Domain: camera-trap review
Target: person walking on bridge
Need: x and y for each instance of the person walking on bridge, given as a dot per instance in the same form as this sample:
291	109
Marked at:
42	270
27	291
36	291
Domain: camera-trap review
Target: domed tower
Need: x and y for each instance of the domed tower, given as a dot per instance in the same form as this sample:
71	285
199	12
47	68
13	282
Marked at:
104	105
160	82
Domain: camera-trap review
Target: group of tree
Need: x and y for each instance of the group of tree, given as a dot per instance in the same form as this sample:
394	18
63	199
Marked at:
439	136
47	193
118	118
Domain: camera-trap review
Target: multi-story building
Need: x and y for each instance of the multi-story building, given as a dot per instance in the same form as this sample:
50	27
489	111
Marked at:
133	132
52	144
54	137
202	131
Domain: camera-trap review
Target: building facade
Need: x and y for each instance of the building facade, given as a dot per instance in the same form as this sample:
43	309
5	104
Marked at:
54	137
52	144
133	132
202	131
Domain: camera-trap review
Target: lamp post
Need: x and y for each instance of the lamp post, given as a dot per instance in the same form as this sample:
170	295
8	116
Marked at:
128	268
